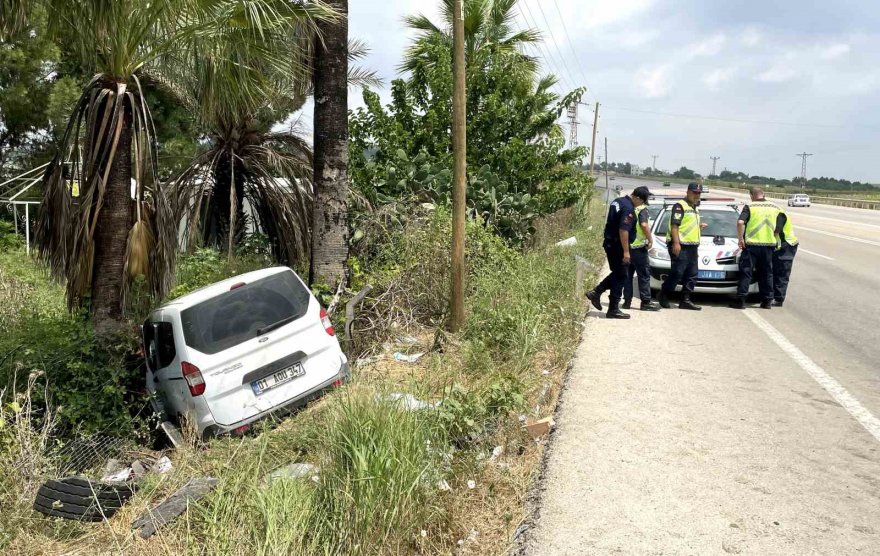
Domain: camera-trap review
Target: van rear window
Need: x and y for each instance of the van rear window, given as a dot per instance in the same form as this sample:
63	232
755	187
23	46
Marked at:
235	316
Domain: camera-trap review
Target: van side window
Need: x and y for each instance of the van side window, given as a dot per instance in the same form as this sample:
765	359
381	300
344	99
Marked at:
161	344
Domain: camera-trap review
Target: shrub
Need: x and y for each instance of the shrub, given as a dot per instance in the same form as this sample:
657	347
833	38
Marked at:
206	266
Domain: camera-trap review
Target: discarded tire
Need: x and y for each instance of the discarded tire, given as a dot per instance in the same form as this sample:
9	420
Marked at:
80	499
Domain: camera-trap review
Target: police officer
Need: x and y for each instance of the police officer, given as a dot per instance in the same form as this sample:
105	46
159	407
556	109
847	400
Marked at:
638	251
620	229
683	243
783	257
756	228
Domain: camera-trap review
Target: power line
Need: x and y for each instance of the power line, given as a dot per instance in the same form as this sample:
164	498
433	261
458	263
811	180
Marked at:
573	50
549	55
555	45
736	120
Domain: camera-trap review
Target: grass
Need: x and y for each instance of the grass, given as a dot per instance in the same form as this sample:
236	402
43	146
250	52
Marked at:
384	470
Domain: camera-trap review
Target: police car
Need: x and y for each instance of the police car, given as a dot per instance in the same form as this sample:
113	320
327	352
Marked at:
719	250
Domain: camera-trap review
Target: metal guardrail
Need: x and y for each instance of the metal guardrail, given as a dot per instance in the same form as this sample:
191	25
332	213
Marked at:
821	200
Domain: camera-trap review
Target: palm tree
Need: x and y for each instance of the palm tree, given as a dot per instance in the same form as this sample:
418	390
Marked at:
96	230
330	214
488	29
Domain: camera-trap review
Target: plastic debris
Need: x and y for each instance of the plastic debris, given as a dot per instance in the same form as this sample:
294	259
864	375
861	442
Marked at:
497	452
407	358
293	471
118	476
162	465
410	340
444	486
545	372
567	242
424	533
472	484
410	402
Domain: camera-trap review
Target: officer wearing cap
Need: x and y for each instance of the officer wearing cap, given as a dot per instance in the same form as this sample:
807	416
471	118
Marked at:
683	242
620	229
639	265
757	229
783	257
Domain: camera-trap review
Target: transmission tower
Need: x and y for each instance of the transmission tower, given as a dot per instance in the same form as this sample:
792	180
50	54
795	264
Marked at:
714	161
654	166
804	156
573	124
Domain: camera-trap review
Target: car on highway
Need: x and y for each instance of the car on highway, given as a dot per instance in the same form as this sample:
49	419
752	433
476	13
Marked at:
611	178
666	184
719	251
799	200
224	356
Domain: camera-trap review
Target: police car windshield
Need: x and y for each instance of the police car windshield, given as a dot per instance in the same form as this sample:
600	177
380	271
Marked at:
721	222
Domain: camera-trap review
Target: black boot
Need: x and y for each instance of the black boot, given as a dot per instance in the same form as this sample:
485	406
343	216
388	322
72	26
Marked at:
738	303
627	303
594	298
686	303
778	302
649	306
614	312
766	304
663	299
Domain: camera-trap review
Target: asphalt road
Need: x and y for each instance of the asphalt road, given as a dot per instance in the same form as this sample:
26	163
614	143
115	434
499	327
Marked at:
730	431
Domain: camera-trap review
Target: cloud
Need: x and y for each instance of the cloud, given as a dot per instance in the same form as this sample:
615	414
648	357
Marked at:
599	14
714	79
708	47
777	73
653	82
834	51
751	37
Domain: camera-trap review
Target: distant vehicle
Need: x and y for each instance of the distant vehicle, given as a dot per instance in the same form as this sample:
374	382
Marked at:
666	184
611	178
799	200
719	250
236	351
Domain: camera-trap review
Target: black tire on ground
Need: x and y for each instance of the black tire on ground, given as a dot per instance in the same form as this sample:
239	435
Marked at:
49	505
67	498
80	499
53	512
86	489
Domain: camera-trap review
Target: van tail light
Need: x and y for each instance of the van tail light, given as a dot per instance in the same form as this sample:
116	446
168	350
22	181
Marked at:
325	320
193	377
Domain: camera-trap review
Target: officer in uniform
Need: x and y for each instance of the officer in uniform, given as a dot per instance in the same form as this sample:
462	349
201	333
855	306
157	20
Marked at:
620	229
683	242
638	251
757	230
783	257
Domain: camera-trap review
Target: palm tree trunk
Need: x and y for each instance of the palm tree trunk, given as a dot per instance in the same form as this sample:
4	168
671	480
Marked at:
330	213
111	237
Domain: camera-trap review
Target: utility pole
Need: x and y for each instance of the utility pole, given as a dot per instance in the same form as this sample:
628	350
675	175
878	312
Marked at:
606	170
804	156
593	147
715	159
459	174
654	166
573	124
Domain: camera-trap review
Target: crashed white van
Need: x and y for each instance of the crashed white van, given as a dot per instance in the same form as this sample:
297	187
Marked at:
233	352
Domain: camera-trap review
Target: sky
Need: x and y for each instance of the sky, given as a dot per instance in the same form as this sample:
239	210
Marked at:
752	82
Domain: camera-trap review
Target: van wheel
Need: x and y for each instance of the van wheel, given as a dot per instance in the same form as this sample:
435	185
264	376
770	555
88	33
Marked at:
80	499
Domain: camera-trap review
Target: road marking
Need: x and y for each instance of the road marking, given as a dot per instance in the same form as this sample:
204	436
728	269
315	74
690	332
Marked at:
841	236
838	220
816	254
826	381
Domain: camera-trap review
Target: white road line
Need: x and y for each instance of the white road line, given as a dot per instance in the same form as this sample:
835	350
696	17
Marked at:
841	236
826	381
841	221
815	254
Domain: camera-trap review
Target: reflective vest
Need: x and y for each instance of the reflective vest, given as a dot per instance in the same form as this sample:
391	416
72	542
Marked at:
787	232
761	227
641	239
689	229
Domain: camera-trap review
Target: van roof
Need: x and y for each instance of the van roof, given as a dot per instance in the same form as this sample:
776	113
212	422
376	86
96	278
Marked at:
215	289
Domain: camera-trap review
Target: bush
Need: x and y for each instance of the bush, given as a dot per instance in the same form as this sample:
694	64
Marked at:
206	266
9	240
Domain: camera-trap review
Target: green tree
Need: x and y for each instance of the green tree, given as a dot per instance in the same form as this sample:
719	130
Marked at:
684	173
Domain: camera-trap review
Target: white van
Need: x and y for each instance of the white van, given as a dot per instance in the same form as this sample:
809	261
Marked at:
799	200
233	352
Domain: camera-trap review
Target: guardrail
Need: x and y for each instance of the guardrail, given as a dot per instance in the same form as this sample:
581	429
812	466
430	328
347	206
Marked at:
835	201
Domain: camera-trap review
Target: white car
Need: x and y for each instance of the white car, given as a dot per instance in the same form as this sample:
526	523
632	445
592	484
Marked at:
799	200
719	250
236	351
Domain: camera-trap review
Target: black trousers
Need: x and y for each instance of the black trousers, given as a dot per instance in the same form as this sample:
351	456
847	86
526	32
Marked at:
783	259
613	283
638	266
756	260
684	269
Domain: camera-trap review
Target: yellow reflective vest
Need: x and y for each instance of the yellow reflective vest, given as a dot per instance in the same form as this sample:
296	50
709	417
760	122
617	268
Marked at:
641	239
787	232
761	227
689	229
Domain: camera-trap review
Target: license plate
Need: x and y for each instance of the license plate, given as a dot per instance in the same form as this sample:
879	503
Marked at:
278	378
711	275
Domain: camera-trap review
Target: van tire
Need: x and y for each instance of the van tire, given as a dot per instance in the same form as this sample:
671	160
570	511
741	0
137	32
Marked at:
80	499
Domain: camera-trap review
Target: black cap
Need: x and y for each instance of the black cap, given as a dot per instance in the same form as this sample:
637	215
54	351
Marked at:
695	187
642	193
